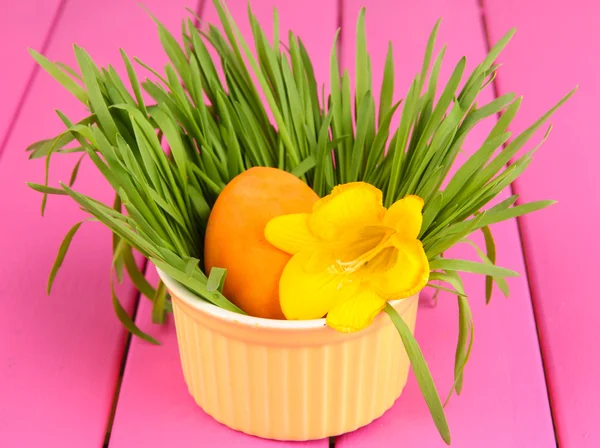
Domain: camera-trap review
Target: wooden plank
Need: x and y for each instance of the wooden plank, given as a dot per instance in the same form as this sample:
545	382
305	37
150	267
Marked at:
24	24
552	52
60	356
504	401
154	408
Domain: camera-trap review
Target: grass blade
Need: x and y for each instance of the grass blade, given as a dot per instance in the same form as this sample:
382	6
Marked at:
363	81
502	284
428	54
159	304
58	74
46	190
75	171
513	212
490	248
471	266
216	279
422	373
305	166
60	256
386	96
125	319
135	85
442	288
137	277
95	95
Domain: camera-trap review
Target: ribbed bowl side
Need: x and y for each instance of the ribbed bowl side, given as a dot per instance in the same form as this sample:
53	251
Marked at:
275	384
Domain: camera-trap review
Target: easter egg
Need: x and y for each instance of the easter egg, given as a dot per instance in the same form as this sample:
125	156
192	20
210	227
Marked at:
235	237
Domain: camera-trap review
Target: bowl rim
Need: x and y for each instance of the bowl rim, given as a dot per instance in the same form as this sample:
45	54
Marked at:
192	300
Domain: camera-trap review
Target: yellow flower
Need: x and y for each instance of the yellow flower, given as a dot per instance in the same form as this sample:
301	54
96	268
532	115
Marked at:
350	255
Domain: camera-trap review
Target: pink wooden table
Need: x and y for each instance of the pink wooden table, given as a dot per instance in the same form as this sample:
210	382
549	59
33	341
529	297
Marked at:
72	377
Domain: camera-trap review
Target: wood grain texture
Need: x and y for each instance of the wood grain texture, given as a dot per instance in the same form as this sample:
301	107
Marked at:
504	399
60	355
23	24
554	49
155	408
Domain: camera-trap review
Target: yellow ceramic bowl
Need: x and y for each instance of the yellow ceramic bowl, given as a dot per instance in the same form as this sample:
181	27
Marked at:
288	380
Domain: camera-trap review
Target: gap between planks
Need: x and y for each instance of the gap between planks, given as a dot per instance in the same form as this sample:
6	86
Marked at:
495	93
117	393
46	43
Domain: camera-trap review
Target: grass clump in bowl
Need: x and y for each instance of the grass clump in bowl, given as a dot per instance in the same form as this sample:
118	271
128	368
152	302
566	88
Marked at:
212	115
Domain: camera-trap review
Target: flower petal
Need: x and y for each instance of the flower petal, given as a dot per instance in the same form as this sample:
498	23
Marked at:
406	216
356	204
307	293
356	312
290	233
408	276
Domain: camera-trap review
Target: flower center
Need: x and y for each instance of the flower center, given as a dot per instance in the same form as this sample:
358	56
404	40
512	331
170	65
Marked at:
367	247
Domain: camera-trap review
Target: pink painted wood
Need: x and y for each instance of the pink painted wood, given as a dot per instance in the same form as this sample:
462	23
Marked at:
552	52
24	24
504	400
154	408
60	355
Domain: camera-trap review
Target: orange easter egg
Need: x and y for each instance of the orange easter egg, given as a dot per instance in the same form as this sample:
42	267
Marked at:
235	237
